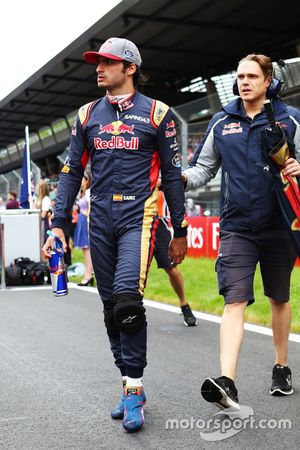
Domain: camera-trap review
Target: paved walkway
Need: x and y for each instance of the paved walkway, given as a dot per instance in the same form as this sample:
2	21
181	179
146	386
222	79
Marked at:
58	381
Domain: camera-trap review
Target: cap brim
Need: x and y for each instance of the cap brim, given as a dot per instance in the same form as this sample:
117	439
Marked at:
93	57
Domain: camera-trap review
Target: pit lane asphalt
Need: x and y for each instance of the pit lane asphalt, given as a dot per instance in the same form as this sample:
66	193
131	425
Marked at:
58	381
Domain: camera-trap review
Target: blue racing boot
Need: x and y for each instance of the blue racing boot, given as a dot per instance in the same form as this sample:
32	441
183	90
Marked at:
118	411
135	398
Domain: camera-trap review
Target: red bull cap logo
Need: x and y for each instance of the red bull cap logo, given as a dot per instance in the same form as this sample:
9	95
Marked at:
116	128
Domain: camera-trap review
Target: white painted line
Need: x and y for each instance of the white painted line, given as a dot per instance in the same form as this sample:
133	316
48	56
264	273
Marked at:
27	288
217	319
170	308
93	290
9	419
203	316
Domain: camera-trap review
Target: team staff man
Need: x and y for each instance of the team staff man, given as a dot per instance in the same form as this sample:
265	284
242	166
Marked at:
129	138
251	223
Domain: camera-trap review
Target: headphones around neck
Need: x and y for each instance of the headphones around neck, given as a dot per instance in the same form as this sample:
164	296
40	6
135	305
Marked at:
275	87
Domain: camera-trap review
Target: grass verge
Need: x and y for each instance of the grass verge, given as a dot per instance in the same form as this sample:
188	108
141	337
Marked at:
202	291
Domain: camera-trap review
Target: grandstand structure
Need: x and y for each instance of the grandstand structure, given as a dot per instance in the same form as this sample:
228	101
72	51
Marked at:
182	43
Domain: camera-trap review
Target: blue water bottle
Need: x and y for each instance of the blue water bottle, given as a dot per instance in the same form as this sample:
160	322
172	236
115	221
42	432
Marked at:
57	268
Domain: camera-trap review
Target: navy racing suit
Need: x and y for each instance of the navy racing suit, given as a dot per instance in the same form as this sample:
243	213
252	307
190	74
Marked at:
128	143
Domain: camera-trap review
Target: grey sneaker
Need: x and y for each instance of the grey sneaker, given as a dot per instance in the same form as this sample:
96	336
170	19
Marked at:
281	380
189	318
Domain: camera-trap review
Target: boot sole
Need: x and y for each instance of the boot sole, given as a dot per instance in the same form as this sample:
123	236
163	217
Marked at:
213	393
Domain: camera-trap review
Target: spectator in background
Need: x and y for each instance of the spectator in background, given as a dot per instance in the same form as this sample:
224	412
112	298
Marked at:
190	151
12	202
2	206
192	209
53	193
43	203
81	235
75	214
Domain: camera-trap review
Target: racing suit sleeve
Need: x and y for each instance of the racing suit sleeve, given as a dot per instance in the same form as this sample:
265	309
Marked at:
206	161
71	175
171	173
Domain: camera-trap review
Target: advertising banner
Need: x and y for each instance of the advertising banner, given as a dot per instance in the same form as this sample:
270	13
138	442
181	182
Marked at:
203	237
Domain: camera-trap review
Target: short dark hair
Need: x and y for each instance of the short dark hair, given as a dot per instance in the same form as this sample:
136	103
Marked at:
138	77
264	61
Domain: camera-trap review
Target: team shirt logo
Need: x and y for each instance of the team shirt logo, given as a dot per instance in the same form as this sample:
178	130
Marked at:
117	142
66	168
170	129
232	128
116	128
121	197
139	118
176	160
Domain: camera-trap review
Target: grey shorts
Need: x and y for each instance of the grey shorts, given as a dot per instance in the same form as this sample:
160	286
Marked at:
239	253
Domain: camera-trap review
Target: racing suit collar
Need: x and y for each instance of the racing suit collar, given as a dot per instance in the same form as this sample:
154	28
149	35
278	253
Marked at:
124	102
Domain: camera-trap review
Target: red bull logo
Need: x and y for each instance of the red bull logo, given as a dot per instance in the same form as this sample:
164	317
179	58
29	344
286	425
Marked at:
117	142
171	124
171	133
232	128
116	128
232	125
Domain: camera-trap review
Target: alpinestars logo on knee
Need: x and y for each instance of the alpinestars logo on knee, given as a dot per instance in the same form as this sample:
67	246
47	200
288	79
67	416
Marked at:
129	319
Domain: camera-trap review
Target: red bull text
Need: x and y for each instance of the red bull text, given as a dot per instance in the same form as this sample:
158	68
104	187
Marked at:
117	142
58	274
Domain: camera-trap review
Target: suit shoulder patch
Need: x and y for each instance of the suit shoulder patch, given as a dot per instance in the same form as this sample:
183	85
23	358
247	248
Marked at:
159	110
84	112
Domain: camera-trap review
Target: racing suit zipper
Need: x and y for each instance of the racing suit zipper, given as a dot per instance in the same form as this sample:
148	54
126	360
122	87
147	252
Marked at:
226	194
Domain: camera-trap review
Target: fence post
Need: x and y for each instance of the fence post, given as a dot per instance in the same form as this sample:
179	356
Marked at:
2	256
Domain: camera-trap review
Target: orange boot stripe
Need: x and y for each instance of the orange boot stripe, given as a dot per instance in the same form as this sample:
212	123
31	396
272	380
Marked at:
148	238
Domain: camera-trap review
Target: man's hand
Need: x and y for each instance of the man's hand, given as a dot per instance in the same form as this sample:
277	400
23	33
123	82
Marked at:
177	249
184	178
49	244
292	167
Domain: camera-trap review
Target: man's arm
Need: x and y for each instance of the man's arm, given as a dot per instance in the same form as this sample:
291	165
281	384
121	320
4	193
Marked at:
171	173
206	161
172	185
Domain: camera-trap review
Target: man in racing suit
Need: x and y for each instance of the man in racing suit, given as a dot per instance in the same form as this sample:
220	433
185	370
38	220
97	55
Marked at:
128	138
251	223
